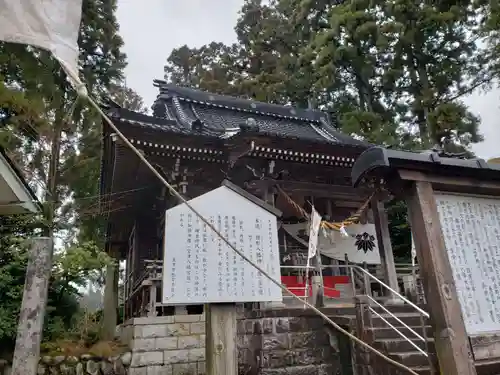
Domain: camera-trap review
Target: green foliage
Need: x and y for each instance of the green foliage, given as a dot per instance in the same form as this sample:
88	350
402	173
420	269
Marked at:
72	268
80	264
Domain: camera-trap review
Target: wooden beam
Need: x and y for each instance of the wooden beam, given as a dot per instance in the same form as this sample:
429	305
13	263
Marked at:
221	338
315	189
345	204
453	184
451	341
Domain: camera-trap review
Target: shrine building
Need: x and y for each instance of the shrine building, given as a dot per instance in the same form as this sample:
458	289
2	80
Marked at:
291	158
283	162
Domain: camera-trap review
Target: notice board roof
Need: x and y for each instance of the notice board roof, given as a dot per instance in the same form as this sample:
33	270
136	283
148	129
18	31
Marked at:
252	198
378	162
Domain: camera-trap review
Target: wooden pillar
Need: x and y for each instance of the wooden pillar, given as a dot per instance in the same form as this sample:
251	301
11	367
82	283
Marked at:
385	248
111	296
32	314
451	341
221	338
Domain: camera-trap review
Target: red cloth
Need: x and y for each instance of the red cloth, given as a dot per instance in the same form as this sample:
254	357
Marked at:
297	287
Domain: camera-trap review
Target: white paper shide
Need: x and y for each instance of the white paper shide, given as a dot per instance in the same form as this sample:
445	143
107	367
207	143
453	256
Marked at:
200	268
471	229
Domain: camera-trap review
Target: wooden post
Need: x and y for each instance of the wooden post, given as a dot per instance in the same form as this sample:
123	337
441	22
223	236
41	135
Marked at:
385	247
451	341
363	325
221	336
31	318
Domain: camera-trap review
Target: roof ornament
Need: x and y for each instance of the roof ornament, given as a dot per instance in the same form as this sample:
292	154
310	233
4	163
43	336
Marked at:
197	125
439	151
250	125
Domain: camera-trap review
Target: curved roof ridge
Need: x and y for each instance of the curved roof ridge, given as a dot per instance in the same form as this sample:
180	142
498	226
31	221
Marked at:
238	104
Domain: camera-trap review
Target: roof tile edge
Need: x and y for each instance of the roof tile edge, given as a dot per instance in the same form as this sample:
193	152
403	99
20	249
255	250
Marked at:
244	105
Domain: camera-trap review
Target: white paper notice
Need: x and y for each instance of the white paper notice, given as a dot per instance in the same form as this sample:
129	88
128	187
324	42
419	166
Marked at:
471	229
200	268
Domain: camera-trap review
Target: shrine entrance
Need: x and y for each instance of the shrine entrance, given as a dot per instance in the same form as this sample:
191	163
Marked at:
454	212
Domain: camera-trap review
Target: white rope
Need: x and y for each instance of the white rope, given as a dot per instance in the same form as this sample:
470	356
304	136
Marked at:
82	91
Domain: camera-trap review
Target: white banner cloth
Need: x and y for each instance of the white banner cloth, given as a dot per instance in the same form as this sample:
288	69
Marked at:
49	24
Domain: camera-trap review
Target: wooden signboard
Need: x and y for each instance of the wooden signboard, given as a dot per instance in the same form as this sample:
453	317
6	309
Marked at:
200	268
471	229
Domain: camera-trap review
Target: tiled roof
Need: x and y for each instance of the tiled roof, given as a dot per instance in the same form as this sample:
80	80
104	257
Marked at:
196	111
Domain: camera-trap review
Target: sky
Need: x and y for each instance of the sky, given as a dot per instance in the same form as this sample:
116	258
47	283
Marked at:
151	32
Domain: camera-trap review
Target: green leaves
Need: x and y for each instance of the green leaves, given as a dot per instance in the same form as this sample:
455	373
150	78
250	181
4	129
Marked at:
80	264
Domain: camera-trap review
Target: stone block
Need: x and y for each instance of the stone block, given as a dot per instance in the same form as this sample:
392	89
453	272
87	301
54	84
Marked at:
152	320
175	356
327	369
307	356
197	328
276	358
138	371
189	342
263	326
165	343
159	370
275	342
196	354
126	358
296	324
282	325
245	326
126	334
296	370
201	368
185	369
187	318
143	345
177	329
157	330
140	359
309	339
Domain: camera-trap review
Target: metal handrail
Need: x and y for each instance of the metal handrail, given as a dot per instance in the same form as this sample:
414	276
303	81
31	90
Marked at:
396	318
399	332
424	313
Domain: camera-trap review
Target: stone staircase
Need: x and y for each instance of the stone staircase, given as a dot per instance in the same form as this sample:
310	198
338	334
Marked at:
378	334
388	341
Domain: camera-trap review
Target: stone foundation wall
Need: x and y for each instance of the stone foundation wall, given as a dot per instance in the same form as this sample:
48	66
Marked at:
275	342
286	342
166	345
84	365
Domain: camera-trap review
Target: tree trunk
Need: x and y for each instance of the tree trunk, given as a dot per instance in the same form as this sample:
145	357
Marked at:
51	194
110	298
